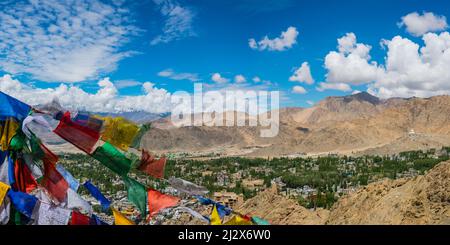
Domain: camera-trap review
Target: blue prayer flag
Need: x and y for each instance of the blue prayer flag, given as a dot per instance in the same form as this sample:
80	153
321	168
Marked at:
96	221
97	195
23	202
12	107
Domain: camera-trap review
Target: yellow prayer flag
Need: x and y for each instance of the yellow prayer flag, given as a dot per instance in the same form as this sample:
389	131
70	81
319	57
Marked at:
7	130
238	220
3	190
215	218
119	132
120	219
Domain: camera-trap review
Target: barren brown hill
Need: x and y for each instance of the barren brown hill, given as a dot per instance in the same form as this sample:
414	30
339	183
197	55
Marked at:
350	124
421	200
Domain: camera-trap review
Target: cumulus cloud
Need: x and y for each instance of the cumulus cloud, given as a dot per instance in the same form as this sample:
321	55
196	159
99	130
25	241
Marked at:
302	74
412	70
63	41
351	63
106	99
178	21
286	40
240	79
169	73
299	90
217	78
256	79
333	86
417	24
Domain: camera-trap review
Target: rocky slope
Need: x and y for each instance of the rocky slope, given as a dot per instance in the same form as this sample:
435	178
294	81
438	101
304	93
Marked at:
421	200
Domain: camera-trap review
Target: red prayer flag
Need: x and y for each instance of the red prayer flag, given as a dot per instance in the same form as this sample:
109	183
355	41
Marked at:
54	182
79	219
151	166
158	201
49	156
25	181
81	136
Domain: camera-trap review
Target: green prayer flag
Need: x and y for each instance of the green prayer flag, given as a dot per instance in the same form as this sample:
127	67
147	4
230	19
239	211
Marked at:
136	143
137	194
112	158
260	221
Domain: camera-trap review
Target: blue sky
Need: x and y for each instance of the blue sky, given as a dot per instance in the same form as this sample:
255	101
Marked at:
174	43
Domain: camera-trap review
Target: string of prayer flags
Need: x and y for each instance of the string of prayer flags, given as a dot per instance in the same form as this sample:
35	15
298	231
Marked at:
24	180
12	107
239	220
104	202
158	201
259	221
215	218
151	166
22	202
73	183
137	194
79	219
3	191
5	209
119	132
96	221
187	187
221	209
48	214
120	219
54	182
113	159
84	138
8	129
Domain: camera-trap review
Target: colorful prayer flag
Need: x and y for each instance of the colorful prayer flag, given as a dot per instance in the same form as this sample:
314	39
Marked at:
215	218
239	220
137	194
54	182
82	137
120	219
119	132
113	159
96	221
97	195
151	166
23	202
11	107
48	214
76	201
5	209
259	221
79	219
24	180
8	129
87	120
3	191
7	171
193	213
158	201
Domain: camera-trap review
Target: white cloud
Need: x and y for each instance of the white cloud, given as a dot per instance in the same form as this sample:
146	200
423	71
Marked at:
126	83
302	74
286	40
418	25
351	63
217	78
178	21
299	90
256	79
356	91
333	86
63	41
240	79
310	102
106	99
412	70
169	73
